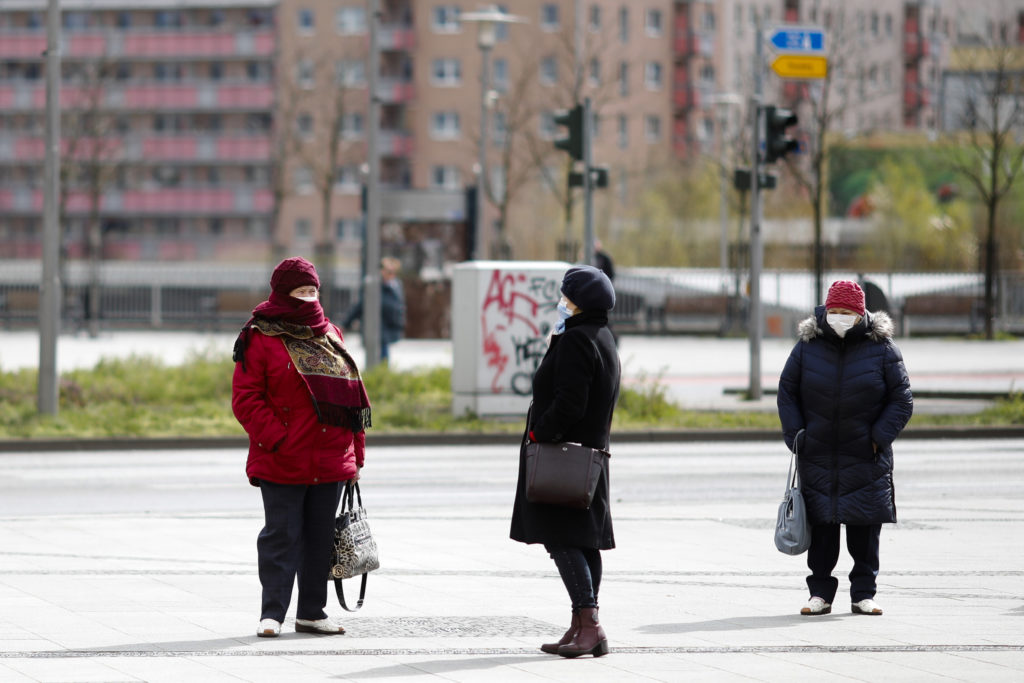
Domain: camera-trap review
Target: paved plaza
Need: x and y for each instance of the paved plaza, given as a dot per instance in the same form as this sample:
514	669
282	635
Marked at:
141	566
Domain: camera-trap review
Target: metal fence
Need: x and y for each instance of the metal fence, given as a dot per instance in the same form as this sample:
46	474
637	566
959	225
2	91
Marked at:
203	295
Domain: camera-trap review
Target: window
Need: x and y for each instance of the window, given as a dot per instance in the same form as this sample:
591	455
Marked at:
498	182
447	177
352	125
347	178
123	20
548	71
652	23
623	131
652	75
500	28
888	26
499	75
304	125
874	25
257	71
303	180
304	73
595	18
74	21
445	19
447	72
624	24
652	128
350	73
623	79
303	229
350	20
547	125
348	230
707	74
708	21
305	20
216	71
167	19
737	18
594	72
549	17
500	128
444	125
595	124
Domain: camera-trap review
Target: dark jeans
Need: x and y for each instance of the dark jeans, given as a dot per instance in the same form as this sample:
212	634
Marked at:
861	542
297	540
580	569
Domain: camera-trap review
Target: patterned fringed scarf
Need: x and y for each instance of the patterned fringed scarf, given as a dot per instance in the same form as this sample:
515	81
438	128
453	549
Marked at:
328	370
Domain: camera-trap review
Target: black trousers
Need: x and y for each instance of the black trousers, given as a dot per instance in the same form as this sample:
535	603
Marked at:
580	569
296	541
862	542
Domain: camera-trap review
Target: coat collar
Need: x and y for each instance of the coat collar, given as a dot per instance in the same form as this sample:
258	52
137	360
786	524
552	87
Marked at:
876	326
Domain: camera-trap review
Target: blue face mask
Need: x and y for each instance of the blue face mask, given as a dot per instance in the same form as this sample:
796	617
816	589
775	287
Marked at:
563	314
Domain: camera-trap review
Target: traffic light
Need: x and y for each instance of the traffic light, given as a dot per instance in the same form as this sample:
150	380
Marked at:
572	119
777	144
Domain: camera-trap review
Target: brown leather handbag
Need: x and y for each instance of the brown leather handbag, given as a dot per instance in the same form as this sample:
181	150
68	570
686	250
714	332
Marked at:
563	474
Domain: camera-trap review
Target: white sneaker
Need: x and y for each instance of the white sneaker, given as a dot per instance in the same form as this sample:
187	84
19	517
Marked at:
327	626
816	606
866	606
269	628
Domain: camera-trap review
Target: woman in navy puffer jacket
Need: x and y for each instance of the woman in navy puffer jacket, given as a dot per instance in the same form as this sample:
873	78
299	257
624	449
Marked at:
845	385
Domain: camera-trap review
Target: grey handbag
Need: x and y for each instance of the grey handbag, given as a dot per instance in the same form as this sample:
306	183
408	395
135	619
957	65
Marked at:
792	528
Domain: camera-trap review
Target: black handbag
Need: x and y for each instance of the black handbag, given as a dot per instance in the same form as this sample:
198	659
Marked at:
563	474
355	550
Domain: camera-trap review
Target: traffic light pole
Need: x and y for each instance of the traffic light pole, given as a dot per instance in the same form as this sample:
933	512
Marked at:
588	185
756	320
49	288
371	323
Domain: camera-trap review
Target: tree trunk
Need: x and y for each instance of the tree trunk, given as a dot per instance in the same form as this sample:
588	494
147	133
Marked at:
990	271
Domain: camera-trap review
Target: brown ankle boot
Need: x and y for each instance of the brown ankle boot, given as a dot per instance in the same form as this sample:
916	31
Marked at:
589	639
552	648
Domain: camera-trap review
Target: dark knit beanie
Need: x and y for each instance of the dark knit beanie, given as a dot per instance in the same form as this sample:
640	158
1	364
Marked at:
845	294
588	288
293	273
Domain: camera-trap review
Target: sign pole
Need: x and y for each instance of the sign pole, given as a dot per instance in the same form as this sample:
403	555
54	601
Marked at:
756	255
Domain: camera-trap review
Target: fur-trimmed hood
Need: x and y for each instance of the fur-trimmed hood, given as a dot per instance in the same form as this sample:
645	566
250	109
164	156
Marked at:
880	326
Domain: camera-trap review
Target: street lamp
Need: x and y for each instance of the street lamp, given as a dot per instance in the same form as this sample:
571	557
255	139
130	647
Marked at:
487	20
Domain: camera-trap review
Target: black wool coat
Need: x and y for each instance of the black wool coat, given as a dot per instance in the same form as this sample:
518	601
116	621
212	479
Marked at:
574	393
847	394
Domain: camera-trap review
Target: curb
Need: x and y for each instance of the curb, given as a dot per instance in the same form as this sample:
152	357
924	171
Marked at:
482	439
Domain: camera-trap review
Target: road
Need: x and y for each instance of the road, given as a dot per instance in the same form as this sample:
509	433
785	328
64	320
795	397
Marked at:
140	566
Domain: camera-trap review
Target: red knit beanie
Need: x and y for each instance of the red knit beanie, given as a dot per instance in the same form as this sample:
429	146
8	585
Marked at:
845	294
293	273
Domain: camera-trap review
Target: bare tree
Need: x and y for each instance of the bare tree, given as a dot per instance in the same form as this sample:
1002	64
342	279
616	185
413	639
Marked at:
285	149
988	117
829	101
94	155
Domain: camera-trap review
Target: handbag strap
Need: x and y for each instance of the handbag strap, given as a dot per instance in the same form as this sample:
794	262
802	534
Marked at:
793	480
347	497
341	594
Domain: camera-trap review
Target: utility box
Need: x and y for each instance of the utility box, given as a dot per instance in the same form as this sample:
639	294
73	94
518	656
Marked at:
502	314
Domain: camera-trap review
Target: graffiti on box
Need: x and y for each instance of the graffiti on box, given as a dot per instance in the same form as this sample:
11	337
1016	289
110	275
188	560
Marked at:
516	316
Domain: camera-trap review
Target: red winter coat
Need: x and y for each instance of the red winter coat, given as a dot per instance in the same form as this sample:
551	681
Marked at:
287	444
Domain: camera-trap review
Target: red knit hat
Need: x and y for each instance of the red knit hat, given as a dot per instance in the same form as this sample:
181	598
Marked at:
293	273
845	294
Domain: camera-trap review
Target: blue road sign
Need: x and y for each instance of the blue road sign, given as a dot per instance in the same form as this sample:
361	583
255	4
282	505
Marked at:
805	40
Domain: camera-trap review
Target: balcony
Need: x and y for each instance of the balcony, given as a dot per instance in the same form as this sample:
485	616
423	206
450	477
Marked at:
161	96
915	99
177	202
397	37
396	143
686	97
396	90
145	148
915	47
141	43
689	44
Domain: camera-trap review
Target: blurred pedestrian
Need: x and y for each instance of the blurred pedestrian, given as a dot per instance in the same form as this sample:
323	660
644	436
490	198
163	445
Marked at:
575	389
846	386
392	307
298	394
604	261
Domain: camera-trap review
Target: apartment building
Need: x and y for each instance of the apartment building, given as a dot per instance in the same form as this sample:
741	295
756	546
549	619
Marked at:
234	129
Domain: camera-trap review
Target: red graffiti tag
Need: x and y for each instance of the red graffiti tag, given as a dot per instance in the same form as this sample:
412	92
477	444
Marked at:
503	309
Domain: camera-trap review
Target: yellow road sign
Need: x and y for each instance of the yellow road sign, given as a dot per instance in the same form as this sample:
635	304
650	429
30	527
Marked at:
800	66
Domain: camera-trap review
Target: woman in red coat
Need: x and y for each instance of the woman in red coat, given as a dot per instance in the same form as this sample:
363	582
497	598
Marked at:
298	394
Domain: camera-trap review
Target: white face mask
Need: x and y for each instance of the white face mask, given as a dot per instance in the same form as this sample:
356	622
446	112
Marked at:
307	298
841	322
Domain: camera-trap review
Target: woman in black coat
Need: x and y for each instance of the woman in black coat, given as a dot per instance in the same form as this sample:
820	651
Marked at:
846	386
574	393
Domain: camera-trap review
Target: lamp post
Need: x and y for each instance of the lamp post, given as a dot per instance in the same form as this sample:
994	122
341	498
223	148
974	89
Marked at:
487	20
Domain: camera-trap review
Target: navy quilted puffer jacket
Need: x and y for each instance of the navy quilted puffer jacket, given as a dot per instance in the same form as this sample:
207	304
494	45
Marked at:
847	393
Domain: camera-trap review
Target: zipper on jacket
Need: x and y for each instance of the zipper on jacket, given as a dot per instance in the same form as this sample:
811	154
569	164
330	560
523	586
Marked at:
835	432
